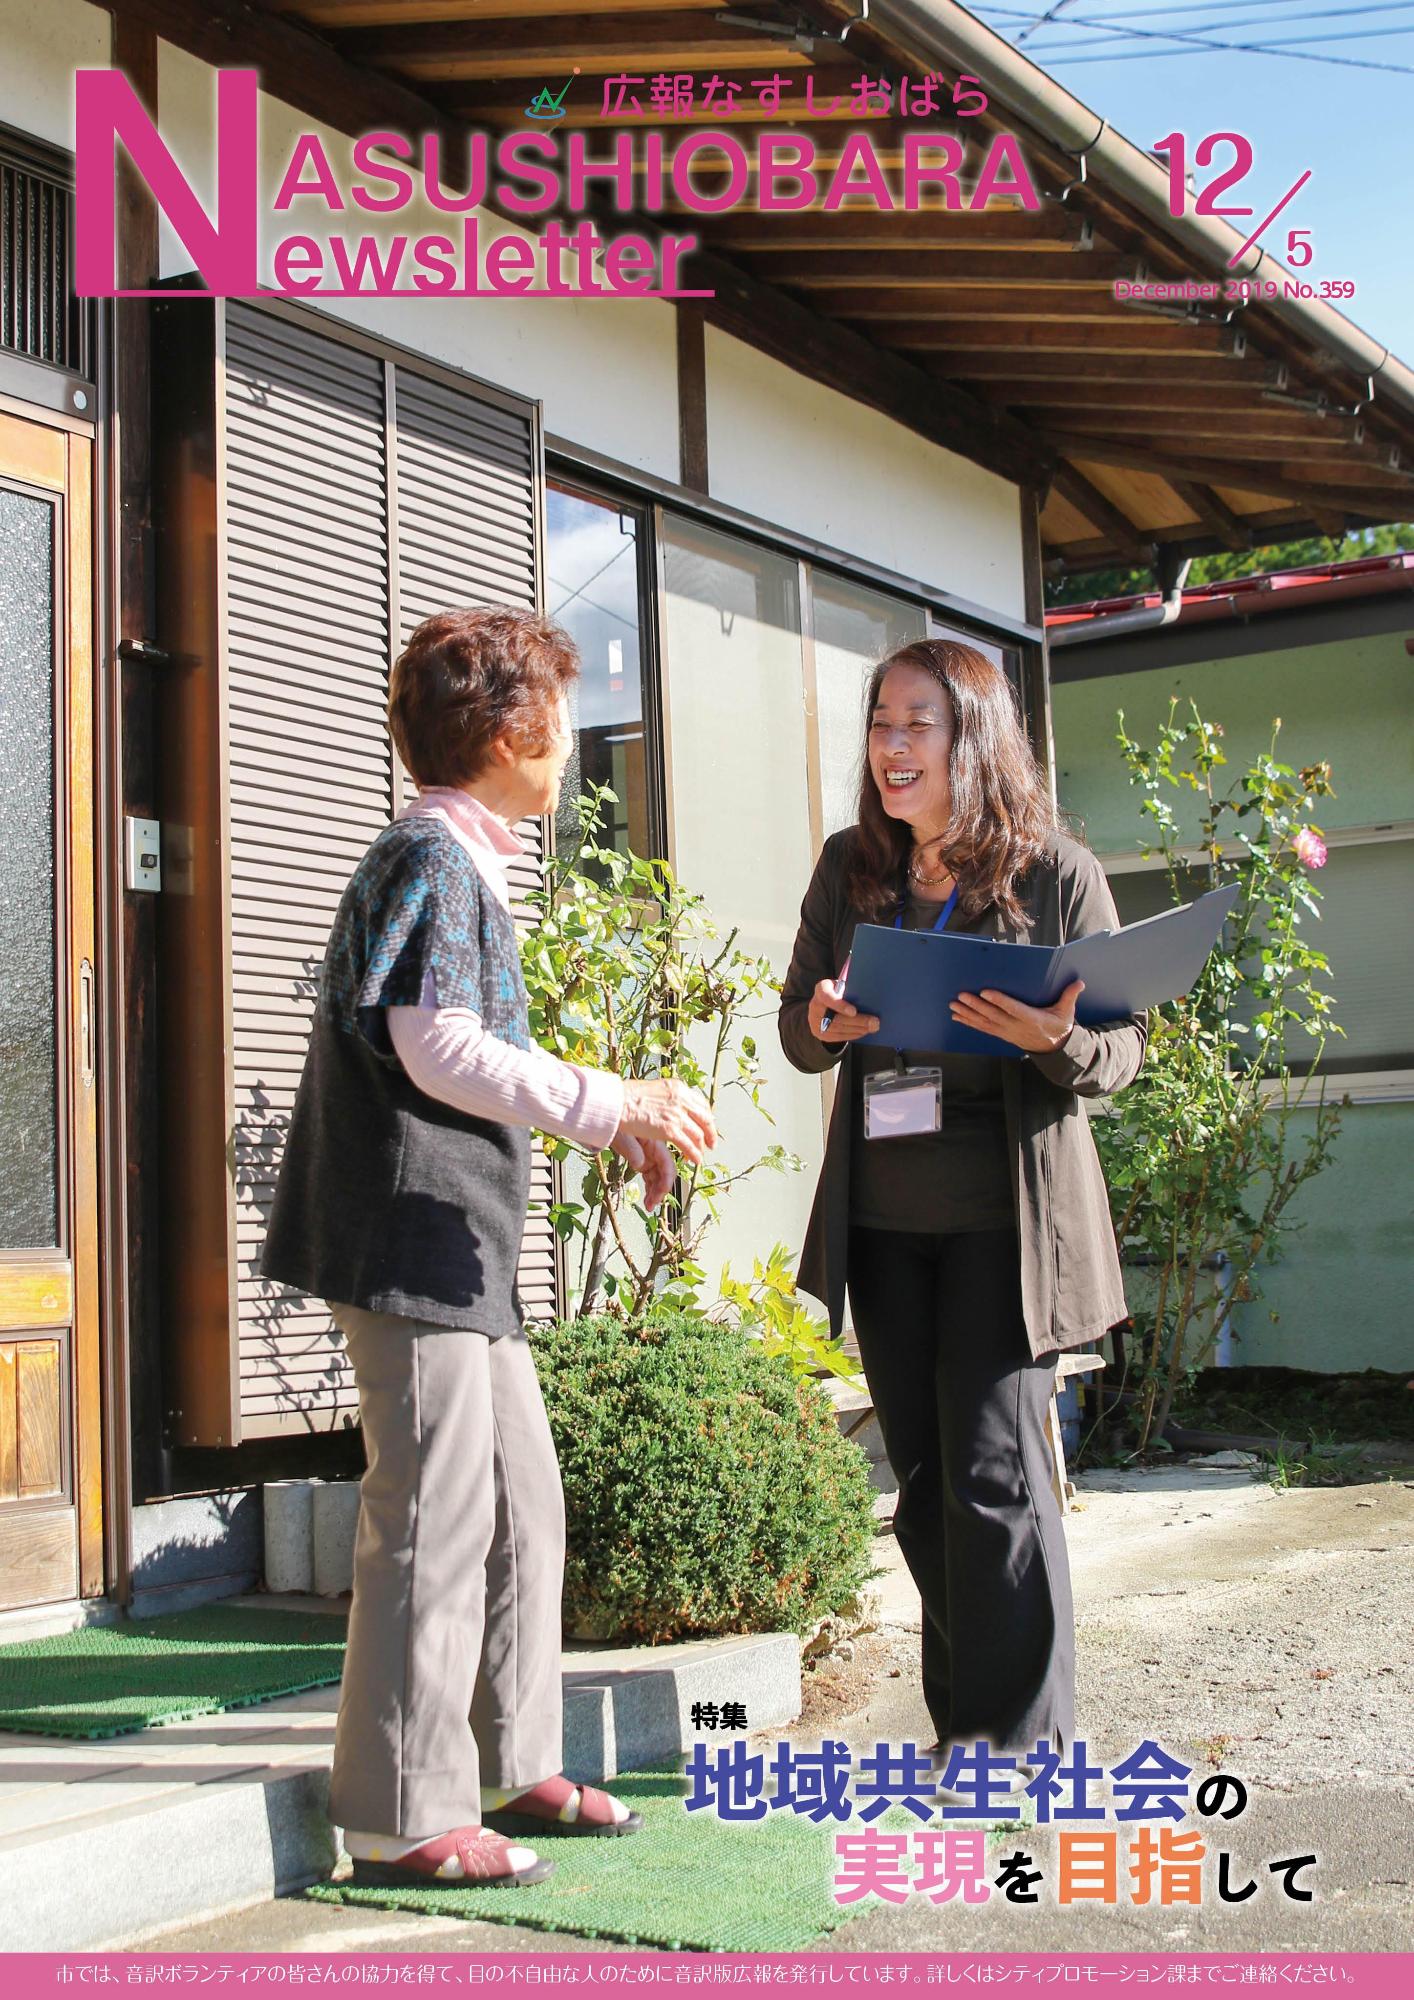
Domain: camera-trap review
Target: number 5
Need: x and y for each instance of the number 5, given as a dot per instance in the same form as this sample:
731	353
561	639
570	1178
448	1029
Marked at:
1298	240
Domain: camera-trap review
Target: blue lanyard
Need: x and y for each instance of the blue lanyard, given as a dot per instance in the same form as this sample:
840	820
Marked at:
940	920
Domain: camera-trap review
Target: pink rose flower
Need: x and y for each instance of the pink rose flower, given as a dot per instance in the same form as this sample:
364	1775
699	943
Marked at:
1310	848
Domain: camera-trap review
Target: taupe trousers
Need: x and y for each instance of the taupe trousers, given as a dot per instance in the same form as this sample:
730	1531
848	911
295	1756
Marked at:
452	1676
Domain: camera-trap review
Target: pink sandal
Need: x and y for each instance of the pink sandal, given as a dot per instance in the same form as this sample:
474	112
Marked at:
483	1857
537	1812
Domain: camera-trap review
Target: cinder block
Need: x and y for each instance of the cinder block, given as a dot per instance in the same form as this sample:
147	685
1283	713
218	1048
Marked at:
196	1537
591	1751
335	1516
653	1703
289	1534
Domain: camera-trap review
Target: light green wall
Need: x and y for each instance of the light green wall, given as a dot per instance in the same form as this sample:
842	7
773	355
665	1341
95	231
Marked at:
1341	1288
1350	703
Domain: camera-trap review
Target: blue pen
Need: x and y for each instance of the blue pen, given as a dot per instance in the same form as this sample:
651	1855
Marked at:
827	1020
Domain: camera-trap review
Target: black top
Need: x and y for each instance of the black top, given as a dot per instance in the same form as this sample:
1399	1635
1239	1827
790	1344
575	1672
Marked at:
1071	1287
388	1199
945	1182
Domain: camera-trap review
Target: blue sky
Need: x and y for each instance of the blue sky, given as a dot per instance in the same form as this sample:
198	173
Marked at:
1354	127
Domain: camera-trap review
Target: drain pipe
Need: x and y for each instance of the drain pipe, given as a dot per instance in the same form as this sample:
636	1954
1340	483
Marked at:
930	29
1143	617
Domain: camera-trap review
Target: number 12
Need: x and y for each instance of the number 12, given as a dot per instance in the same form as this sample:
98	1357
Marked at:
1176	146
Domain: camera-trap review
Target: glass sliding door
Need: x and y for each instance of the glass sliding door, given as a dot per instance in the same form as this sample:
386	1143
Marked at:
854	629
596	560
734	697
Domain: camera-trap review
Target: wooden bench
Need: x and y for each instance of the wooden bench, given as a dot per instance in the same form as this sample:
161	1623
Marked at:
1066	1366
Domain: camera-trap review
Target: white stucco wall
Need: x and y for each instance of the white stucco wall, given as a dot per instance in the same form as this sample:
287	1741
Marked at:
795	452
605	370
42	43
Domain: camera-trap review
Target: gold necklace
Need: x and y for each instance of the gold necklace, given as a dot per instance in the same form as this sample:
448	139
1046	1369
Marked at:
928	881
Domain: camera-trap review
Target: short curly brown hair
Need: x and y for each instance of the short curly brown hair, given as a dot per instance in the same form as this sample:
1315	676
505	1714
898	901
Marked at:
466	678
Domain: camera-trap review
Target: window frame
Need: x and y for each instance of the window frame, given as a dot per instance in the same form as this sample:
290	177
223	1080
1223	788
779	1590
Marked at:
590	476
1384	1083
622	498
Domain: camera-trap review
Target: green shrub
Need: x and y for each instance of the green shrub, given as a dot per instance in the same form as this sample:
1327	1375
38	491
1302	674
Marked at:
706	1491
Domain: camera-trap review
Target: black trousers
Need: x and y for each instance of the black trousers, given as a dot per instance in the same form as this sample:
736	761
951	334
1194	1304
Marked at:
962	1403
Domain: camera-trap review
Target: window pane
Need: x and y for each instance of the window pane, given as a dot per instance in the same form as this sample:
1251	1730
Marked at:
854	629
29	1182
593	591
1008	658
1362	930
1145	892
734	691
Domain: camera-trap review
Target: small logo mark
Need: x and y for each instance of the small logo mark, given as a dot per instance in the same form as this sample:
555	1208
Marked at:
546	104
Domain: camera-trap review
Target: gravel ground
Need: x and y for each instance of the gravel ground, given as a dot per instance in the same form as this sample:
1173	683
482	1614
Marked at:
1262	1632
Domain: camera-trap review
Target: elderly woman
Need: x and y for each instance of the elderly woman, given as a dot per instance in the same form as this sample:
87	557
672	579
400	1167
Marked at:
973	1252
402	1201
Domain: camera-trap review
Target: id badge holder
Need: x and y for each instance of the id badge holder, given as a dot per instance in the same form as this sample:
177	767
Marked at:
901	1102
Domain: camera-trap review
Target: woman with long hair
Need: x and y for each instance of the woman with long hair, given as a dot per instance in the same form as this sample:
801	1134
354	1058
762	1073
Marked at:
972	1252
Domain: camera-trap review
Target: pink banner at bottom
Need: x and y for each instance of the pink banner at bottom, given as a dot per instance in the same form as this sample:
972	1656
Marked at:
1361	1975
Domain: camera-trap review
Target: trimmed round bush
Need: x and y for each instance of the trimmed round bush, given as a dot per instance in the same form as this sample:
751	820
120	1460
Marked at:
706	1491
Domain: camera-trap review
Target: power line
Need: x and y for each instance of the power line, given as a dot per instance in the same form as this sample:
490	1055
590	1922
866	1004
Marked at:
1042	20
1179	7
1115	23
593	577
1266	48
1190	42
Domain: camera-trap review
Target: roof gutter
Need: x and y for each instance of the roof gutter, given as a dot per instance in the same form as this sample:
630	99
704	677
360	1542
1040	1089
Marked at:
928	29
1143	618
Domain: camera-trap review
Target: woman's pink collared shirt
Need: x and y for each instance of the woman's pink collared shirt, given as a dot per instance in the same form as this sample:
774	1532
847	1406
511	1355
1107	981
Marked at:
449	1055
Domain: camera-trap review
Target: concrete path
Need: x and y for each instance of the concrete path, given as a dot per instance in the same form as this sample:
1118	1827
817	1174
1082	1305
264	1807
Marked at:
1264	1632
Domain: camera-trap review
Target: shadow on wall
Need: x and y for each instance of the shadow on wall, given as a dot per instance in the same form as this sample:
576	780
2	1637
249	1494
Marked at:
294	1372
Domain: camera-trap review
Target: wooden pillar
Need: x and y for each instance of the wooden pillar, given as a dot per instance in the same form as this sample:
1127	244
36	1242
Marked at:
1037	652
135	1045
692	398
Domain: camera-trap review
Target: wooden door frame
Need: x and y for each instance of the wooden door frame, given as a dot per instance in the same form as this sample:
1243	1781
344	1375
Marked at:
60	461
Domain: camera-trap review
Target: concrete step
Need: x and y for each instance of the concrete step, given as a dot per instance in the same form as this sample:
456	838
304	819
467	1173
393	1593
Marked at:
103	1845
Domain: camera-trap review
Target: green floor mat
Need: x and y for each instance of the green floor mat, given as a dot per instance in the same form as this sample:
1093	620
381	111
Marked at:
107	1680
689	1881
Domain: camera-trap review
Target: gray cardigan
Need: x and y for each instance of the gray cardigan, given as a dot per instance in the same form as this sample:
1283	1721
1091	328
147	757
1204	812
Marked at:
1070	1277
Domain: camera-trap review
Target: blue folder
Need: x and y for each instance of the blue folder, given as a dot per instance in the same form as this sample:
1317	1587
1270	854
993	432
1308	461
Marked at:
910	978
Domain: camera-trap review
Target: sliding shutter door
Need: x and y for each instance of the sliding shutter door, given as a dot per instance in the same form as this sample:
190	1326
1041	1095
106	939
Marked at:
310	774
467	512
360	495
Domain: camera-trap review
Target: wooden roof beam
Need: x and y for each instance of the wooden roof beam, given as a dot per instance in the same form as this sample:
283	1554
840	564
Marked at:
504	103
1099	509
1040	373
850	229
1290	480
981	307
959	334
1230	529
375	13
558	43
1329	458
1128	396
1244	427
947	268
1279	525
299	67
